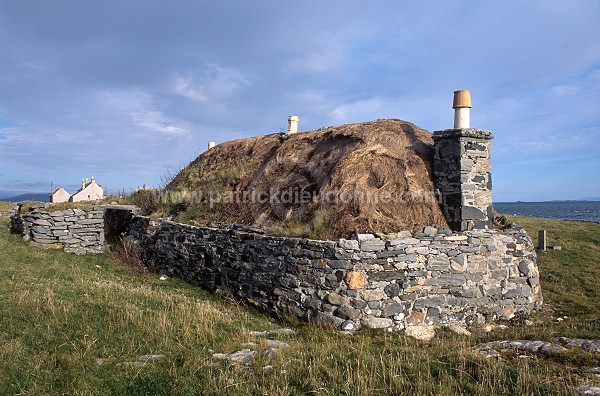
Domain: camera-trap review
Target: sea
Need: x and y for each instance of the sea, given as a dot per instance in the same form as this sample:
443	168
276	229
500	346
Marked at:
554	210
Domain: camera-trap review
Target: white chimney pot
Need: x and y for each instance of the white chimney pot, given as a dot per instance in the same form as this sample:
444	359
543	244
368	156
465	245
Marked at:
293	124
462	109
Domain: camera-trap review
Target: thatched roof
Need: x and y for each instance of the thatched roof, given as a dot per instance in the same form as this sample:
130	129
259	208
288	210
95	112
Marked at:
372	176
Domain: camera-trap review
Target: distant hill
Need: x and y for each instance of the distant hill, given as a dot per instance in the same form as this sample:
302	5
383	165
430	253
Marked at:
335	167
28	197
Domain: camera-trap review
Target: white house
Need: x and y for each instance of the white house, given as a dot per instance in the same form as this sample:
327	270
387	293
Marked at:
90	191
60	195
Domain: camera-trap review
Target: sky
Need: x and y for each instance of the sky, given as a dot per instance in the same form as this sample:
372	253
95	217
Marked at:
132	91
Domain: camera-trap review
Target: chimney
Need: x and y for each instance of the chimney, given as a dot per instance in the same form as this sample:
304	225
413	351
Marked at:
462	170
211	145
462	108
82	183
293	124
93	179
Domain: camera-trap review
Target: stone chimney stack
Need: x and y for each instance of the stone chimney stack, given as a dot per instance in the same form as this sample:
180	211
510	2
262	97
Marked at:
462	109
293	124
211	145
462	170
93	179
82	183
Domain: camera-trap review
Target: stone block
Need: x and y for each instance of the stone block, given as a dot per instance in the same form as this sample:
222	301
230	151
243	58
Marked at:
358	304
439	263
446	280
392	290
347	312
430	231
354	280
364	237
373	295
386	276
421	332
527	268
372	245
392	309
348	244
340	264
40	229
416	318
390	253
323	319
377	323
457	238
336	299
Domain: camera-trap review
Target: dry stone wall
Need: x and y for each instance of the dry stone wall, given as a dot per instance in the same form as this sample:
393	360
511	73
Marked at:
392	281
433	277
74	230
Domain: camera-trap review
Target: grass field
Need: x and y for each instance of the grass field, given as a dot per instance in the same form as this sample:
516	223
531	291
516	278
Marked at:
60	313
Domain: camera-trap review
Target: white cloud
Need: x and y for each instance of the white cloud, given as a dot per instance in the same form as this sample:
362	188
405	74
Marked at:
565	90
155	121
213	83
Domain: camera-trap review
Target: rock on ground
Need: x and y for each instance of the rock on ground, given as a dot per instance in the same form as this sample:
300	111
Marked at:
588	390
536	347
242	358
422	333
591	345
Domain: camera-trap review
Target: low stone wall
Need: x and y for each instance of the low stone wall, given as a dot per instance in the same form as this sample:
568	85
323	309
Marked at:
392	281
74	230
434	277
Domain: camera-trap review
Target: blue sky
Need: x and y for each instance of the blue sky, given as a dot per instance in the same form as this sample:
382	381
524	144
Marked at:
129	90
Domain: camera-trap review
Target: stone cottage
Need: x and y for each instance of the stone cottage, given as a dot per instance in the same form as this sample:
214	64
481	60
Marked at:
89	191
60	195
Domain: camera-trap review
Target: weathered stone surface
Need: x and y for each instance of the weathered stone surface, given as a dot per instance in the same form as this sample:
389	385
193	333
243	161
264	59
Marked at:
364	237
392	290
592	345
527	268
386	276
372	245
457	328
355	280
588	390
429	231
392	309
337	299
421	332
377	323
416	318
347	312
537	347
348	244
457	238
242	358
327	320
348	325
373	295
340	264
